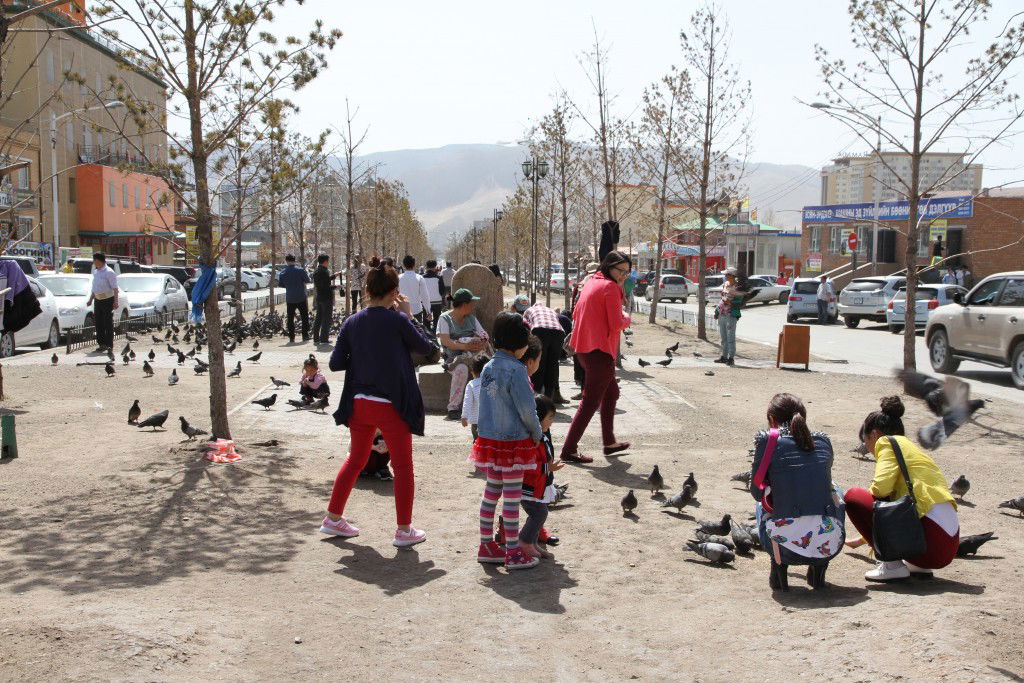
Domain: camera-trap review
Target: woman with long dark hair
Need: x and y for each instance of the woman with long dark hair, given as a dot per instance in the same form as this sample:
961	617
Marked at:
598	320
380	392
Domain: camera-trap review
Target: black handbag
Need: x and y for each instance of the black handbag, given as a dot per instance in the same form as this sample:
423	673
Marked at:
897	532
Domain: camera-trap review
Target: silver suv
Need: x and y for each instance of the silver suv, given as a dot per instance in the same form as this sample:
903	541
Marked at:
987	326
867	298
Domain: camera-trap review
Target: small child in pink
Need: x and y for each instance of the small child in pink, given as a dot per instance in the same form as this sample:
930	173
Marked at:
313	384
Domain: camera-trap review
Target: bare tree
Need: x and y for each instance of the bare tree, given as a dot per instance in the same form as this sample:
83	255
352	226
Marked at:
901	87
353	173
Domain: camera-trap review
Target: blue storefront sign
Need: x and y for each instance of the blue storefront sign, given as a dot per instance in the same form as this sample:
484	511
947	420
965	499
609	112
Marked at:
936	207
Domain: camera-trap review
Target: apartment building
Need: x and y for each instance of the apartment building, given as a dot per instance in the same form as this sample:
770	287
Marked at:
862	178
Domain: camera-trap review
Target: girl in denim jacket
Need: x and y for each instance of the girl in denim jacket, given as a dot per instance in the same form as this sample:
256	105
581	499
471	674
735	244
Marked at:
506	448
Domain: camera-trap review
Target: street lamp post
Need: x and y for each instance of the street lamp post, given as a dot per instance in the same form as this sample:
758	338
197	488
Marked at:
473	232
494	235
54	120
534	170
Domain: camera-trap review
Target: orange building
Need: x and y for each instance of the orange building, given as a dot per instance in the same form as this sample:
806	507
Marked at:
125	214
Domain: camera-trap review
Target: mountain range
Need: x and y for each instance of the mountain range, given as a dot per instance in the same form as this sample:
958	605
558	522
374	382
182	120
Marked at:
451	186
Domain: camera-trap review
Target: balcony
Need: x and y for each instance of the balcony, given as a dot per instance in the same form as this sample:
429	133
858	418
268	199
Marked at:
105	156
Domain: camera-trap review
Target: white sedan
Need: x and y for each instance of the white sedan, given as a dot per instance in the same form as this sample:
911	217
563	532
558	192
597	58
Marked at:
764	292
262	279
42	330
72	291
153	293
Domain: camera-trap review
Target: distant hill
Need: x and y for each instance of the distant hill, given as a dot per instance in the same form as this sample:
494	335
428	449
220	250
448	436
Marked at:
451	186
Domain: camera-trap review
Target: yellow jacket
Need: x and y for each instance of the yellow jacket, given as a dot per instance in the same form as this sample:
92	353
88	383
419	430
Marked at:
929	483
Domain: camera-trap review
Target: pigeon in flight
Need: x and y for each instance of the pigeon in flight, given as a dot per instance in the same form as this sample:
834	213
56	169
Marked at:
716	552
255	358
134	412
656	481
190	431
628	502
155	421
949	399
172	379
266	402
237	371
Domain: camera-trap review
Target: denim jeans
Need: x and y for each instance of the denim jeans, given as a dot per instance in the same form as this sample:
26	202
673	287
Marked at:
822	312
727	332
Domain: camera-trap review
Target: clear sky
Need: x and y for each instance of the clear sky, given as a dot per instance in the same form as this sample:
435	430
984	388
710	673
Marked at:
426	74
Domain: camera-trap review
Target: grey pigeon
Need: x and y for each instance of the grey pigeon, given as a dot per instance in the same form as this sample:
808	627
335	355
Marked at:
691	482
960	487
266	402
298	405
147	368
256	345
318	404
151	355
1014	504
628	332
155	421
181	358
255	358
126	349
717	528
124	360
279	382
190	431
861	449
109	367
237	371
131	354
935	434
672	349
680	500
560	493
656	481
969	545
134	412
53	359
665	363
628	502
743	539
698	354
741	477
172	378
713	538
715	552
642	363
629	344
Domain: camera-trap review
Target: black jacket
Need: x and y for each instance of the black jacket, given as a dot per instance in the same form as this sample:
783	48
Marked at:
322	284
609	238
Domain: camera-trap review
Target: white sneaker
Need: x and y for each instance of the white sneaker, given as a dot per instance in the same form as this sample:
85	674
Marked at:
888	571
404	539
919	572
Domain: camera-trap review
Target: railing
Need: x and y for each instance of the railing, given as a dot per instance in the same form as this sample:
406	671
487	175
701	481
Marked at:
79	337
677	314
104	156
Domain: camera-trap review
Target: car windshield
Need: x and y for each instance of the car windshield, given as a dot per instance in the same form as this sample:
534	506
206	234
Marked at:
83	266
714	281
806	287
141	284
865	285
66	286
922	294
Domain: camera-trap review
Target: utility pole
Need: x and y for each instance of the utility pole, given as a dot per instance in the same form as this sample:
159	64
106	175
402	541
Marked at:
497	216
534	170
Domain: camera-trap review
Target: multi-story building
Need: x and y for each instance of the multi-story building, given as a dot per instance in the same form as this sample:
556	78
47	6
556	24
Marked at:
65	89
19	193
862	178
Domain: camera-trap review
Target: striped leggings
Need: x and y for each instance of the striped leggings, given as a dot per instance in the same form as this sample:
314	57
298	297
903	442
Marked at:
509	486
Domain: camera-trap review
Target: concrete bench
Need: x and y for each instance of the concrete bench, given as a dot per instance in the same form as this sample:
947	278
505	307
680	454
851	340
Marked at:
435	384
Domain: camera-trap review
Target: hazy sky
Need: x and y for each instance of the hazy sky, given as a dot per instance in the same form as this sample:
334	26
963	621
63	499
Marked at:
429	74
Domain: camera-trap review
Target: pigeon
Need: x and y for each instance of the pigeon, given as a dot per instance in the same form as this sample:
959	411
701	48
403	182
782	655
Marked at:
172	379
200	369
680	500
934	435
230	348
560	493
668	352
126	349
199	347
181	358
691	482
743	539
960	487
718	528
949	400
256	345
712	538
124	360
151	355
743	477
147	368
131	354
628	502
279	382
156	339
255	358
698	354
672	349
1014	504
154	421
629	344
969	544
134	412
319	404
665	363
860	449
656	481
298	405
237	371
628	332
109	367
643	363
168	335
190	431
53	359
171	350
266	402
191	354
715	552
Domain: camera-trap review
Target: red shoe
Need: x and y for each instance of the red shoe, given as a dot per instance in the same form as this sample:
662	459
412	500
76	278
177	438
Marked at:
547	537
517	559
490	553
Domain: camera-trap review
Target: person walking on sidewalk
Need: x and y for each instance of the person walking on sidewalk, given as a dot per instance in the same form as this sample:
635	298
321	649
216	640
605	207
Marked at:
323	300
447	275
380	392
543	322
103	298
824	297
294	281
598	320
413	288
435	292
358	277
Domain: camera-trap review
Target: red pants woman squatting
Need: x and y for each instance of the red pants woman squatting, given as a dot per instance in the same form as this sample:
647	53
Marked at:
367	417
942	546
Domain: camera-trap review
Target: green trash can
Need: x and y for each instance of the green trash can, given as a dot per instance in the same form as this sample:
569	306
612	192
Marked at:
8	439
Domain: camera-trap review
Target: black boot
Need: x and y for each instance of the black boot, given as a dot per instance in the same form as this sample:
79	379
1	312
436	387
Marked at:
816	576
778	579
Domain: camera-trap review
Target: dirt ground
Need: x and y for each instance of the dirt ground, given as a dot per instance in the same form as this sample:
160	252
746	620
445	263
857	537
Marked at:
124	555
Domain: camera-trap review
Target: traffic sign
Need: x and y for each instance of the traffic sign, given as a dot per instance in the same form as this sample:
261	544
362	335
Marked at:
851	241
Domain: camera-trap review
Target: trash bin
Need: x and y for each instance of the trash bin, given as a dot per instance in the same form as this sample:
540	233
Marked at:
794	345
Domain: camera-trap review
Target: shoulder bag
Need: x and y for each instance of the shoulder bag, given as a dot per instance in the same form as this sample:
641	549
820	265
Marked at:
762	470
897	531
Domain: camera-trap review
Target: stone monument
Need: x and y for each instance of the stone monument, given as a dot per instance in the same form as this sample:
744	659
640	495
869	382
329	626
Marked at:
484	284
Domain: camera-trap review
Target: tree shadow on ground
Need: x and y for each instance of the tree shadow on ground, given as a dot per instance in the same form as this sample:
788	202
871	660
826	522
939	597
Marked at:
393	575
535	590
191	516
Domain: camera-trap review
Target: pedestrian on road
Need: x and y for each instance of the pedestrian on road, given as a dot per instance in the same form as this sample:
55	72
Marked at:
323	300
578	374
446	278
294	281
598	321
413	288
824	297
543	322
357	275
728	313
882	433
461	335
435	292
103	299
380	392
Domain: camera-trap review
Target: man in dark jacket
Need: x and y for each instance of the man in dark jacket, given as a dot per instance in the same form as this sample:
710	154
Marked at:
609	239
294	281
323	300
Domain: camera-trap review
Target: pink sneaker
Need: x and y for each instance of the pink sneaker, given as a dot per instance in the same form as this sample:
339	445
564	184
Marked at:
490	553
517	559
404	539
340	528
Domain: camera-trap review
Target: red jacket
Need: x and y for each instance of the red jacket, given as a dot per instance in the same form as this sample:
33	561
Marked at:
598	317
536	480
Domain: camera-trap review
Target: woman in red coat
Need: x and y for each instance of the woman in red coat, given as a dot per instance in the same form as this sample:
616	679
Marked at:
598	320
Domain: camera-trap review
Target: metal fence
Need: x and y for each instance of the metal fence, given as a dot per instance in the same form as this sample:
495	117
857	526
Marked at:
676	314
79	337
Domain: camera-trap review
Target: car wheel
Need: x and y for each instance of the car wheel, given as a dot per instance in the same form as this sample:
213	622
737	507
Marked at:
7	345
790	318
683	300
784	298
124	315
1017	365
851	321
90	321
245	287
895	329
941	355
53	336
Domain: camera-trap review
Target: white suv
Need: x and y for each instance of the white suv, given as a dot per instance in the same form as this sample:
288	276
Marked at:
867	298
987	326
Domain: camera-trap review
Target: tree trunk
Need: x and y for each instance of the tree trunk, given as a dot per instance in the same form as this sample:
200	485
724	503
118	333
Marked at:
913	227
705	172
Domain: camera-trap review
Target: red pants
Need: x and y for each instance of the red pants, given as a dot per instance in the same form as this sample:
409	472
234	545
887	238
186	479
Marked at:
367	418
941	546
600	390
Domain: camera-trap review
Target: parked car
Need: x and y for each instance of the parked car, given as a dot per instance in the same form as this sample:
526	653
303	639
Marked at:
262	278
774	279
42	330
27	265
157	293
927	298
673	287
557	282
228	274
803	301
764	292
72	292
866	298
225	285
179	273
987	326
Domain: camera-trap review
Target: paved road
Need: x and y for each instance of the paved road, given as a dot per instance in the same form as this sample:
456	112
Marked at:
868	349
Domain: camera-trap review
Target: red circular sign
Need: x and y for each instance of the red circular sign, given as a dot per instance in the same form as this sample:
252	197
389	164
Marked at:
851	241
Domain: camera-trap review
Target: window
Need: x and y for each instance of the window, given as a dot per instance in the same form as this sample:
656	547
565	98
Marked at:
23	178
138	197
25	226
985	294
1013	293
149	200
99	143
835	239
72	190
113	195
124	195
816	238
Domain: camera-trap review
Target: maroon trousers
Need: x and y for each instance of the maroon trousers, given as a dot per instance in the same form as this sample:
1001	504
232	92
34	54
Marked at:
600	391
942	547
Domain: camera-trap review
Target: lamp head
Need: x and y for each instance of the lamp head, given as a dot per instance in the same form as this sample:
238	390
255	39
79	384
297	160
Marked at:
527	168
542	168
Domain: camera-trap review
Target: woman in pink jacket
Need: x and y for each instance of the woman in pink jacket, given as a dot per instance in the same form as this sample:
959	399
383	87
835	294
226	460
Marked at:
598	320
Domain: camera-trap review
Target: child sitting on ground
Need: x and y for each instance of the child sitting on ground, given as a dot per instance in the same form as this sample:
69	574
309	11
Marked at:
313	384
539	484
471	401
377	465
